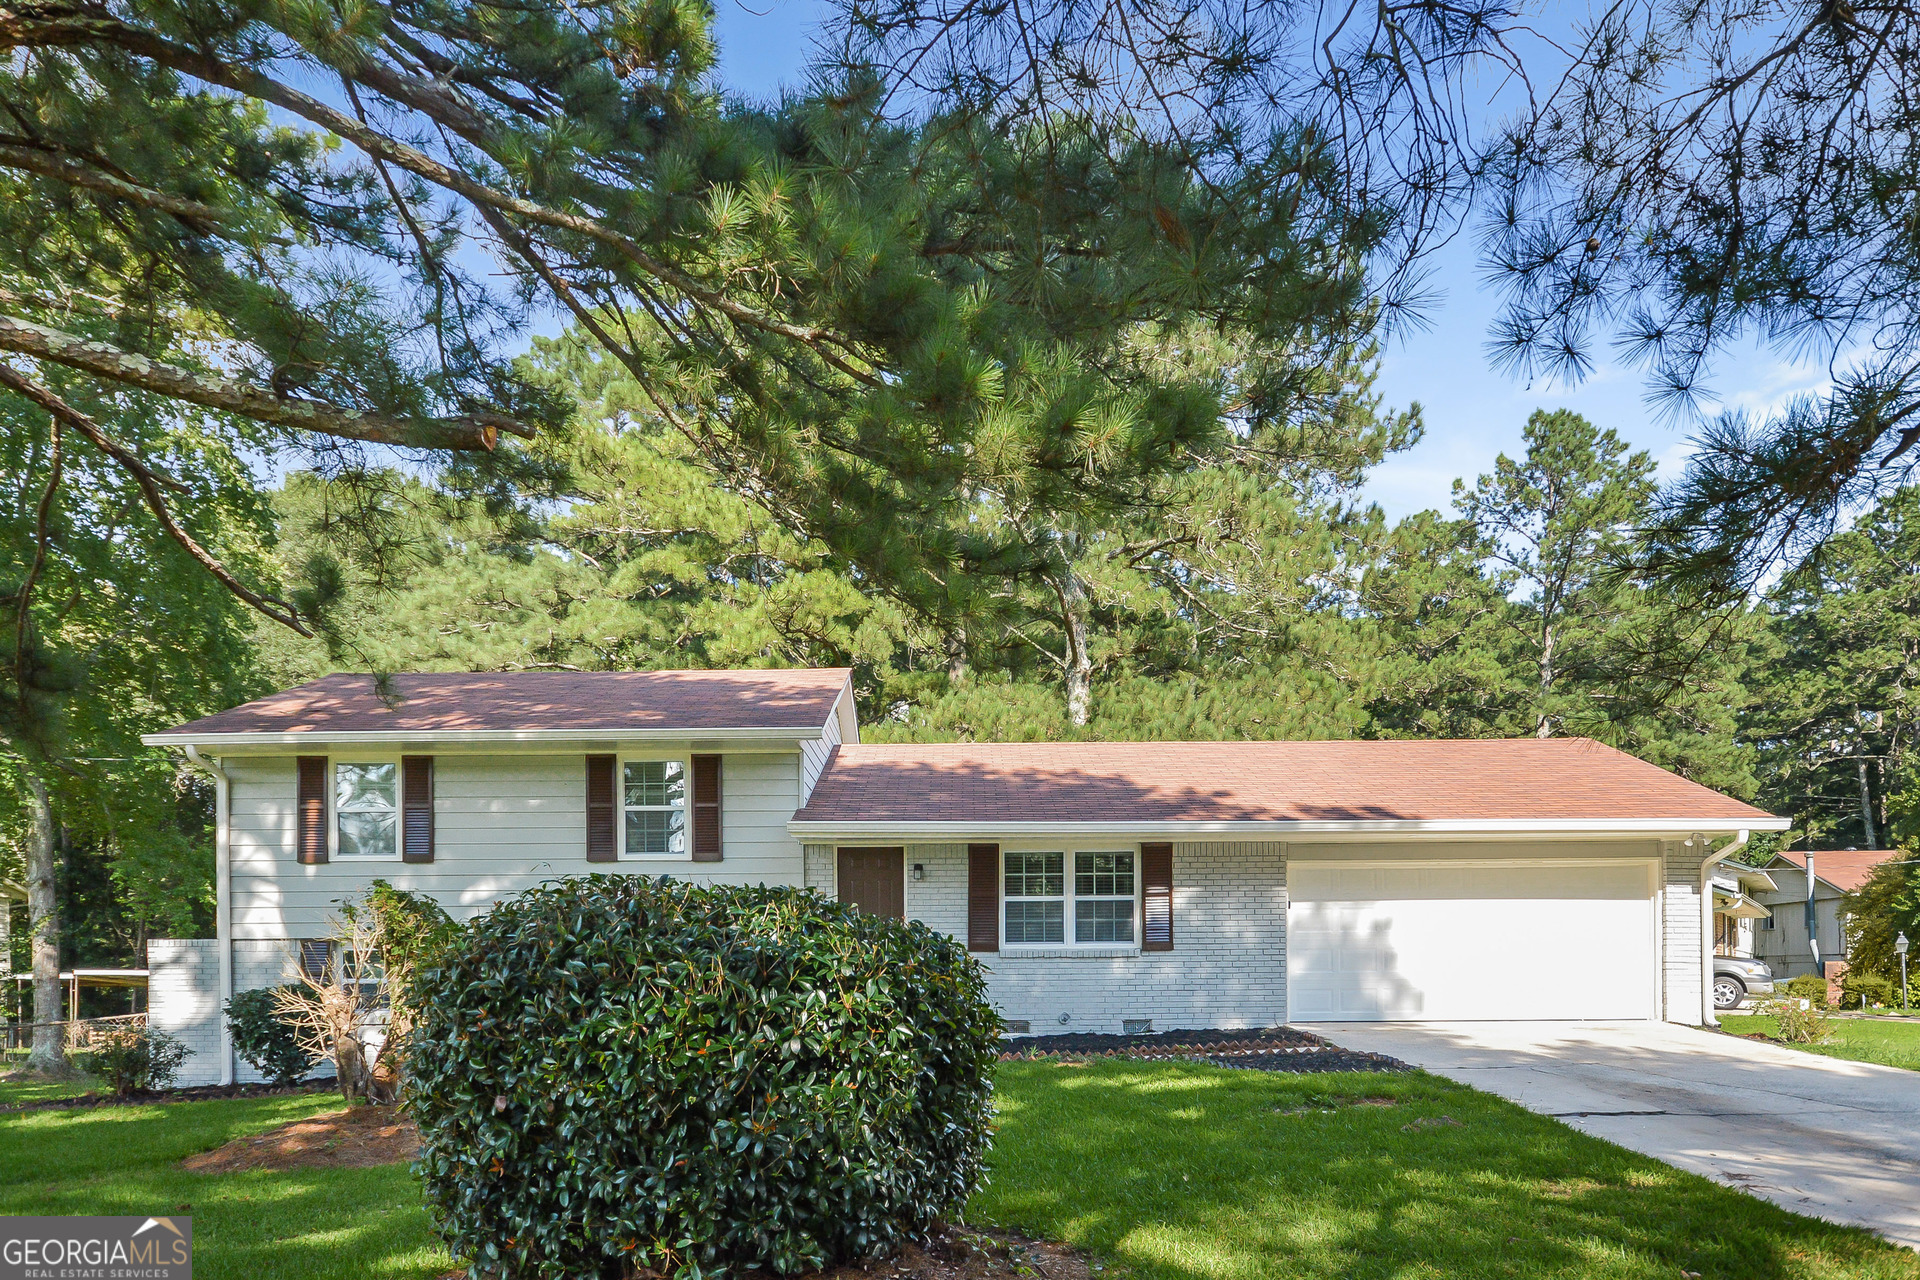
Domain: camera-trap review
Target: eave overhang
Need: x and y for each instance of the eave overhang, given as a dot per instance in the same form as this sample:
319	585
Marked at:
1372	828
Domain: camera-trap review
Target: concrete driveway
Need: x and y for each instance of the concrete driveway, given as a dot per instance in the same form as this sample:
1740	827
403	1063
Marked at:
1838	1140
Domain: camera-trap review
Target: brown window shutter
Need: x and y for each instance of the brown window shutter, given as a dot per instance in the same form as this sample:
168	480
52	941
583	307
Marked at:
706	809
1156	882
983	897
310	844
600	810
314	956
416	808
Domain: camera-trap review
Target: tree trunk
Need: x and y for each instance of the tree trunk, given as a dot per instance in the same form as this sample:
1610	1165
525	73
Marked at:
957	669
1079	664
1866	805
49	1051
1543	726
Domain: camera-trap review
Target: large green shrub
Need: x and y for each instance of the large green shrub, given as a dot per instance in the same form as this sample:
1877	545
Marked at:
615	1073
1808	986
1861	990
265	1038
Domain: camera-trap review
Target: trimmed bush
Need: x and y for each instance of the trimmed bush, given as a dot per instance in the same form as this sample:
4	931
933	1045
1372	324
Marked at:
1860	990
267	1040
614	1074
1808	986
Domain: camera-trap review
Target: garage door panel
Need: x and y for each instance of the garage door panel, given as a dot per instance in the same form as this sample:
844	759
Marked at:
1486	941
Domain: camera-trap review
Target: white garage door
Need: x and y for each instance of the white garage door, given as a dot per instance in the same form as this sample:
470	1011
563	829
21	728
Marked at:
1407	941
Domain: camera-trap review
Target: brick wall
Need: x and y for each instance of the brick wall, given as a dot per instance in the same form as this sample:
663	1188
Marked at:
1680	954
1228	966
183	999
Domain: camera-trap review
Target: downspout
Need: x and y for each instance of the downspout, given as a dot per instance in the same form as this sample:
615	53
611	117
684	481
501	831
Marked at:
1707	1018
223	894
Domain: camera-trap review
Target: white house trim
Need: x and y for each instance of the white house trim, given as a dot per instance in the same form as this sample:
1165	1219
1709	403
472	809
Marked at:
1528	828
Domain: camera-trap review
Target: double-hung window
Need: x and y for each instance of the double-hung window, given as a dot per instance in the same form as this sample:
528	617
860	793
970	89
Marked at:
366	809
1044	905
1036	898
1103	897
656	809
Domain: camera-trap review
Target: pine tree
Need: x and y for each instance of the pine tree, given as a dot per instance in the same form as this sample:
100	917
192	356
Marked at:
1835	719
1523	617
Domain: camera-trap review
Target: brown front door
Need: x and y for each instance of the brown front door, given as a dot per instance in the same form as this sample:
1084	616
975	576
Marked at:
875	880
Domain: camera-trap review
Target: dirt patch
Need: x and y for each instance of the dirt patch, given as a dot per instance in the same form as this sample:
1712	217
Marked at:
1431	1122
1327	1106
1267	1049
356	1138
148	1097
973	1253
959	1253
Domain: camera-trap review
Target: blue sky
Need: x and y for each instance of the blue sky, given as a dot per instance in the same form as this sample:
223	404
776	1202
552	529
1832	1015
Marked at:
1473	413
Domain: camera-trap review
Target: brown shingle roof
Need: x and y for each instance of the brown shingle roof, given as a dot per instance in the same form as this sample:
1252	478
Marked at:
1844	869
523	701
1564	779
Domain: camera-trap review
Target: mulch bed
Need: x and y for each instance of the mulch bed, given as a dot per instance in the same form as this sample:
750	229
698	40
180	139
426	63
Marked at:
357	1138
955	1253
972	1253
148	1097
1265	1049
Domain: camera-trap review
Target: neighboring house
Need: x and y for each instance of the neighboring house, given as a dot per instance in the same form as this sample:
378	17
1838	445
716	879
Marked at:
1737	910
1781	939
1105	886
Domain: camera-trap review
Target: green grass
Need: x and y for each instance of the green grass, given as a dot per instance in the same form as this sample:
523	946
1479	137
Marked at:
315	1224
1193	1173
14	1092
1893	1044
1173	1172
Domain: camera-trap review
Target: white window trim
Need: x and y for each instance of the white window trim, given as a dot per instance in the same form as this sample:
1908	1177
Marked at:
685	806
399	807
1067	849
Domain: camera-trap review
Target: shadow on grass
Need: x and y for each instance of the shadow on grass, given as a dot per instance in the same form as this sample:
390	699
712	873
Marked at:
1194	1173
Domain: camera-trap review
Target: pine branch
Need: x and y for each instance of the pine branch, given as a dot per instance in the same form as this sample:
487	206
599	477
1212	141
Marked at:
102	360
150	487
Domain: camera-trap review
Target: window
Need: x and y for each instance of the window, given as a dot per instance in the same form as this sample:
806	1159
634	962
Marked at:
361	970
1103	897
1099	897
366	810
1036	897
656	799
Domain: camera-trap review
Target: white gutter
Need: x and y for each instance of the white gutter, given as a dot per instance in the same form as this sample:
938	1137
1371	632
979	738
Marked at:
1707	1017
818	831
383	737
223	895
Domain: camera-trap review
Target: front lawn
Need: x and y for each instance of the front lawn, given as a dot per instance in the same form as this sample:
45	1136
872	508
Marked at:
1174	1172
1893	1044
16	1090
314	1224
1193	1173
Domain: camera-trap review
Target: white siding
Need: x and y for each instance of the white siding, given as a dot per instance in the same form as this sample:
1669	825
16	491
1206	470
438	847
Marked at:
502	824
813	756
1683	963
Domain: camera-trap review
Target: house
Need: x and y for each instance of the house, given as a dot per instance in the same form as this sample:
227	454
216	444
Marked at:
1781	938
1104	886
1737	910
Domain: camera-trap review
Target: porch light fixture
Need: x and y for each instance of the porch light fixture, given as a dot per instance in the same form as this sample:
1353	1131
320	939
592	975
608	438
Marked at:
919	871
